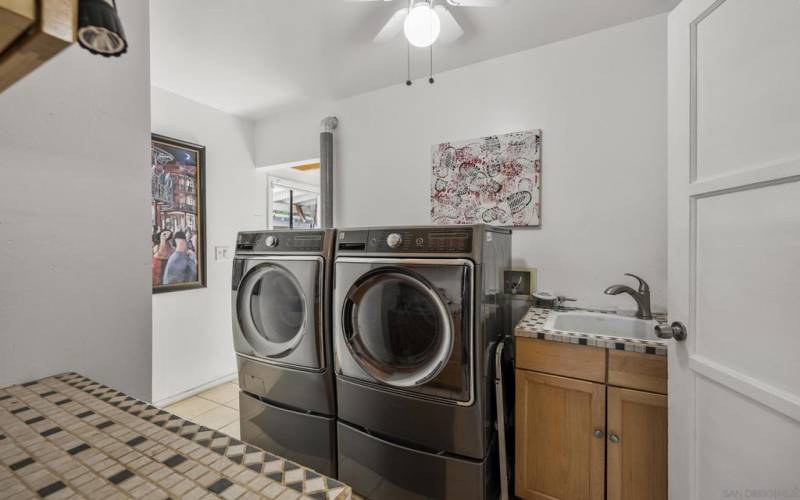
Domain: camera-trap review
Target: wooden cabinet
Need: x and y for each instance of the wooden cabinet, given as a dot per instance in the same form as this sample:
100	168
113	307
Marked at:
581	437
637	445
587	363
637	371
558	454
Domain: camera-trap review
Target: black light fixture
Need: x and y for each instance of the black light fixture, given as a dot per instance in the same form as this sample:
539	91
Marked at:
100	29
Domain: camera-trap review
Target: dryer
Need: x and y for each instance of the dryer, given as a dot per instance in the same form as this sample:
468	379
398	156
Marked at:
417	314
281	332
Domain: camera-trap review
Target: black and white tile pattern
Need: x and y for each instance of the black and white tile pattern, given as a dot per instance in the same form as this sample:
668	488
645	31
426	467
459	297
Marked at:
70	437
532	326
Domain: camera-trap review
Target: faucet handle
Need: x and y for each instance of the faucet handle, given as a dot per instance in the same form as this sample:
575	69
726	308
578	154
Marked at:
643	286
561	299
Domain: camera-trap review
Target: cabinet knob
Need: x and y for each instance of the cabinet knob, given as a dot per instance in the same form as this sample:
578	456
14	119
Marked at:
598	433
613	438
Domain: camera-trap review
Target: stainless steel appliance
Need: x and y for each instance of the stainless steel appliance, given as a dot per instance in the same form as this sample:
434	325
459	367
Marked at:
417	314
281	333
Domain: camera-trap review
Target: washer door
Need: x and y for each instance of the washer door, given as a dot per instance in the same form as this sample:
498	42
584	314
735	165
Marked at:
397	327
272	310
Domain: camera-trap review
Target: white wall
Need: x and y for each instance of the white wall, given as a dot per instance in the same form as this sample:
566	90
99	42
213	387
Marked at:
192	339
600	100
74	217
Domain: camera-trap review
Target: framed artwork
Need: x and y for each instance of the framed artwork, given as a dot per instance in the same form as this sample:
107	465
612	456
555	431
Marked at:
492	180
177	214
519	281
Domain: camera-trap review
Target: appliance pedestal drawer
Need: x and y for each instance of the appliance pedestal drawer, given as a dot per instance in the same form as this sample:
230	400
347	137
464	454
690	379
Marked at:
381	470
307	439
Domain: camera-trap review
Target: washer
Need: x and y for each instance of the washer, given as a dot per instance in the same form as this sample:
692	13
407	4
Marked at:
281	332
417	314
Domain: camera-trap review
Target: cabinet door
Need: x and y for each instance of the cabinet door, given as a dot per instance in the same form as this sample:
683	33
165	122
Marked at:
560	447
637	445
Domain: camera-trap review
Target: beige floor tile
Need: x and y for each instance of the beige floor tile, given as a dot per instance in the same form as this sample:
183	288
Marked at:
191	407
233	403
217	418
232	429
221	393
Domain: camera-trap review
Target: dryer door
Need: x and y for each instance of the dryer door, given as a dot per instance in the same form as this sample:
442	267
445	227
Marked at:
277	307
407	326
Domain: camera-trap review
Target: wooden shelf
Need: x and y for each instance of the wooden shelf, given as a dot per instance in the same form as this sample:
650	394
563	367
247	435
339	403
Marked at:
31	33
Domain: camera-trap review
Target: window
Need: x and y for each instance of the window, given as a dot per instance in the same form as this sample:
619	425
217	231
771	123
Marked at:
292	205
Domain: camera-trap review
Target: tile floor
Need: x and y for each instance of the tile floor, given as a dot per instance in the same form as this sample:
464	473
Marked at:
216	408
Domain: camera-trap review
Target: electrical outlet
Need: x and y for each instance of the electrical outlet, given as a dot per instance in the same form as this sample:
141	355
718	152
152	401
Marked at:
221	253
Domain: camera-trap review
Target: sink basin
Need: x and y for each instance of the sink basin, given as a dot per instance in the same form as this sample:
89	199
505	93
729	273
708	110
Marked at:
602	324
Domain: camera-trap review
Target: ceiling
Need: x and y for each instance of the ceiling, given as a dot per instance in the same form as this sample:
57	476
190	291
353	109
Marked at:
307	177
254	57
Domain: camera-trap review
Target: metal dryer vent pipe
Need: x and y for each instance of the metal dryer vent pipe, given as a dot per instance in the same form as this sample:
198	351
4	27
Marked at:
328	125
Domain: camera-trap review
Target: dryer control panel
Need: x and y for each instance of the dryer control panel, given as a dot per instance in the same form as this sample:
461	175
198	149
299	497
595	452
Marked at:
406	240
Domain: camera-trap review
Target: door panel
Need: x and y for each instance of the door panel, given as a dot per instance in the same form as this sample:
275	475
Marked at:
277	309
741	125
406	325
751	238
558	455
743	446
637	462
734	167
397	327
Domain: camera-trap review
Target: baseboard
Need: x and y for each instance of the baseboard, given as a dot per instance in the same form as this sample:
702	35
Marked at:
195	390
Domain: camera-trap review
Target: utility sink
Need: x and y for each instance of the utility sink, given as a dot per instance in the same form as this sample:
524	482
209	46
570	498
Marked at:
613	325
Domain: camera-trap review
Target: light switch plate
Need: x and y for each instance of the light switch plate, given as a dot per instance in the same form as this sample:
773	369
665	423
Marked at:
221	253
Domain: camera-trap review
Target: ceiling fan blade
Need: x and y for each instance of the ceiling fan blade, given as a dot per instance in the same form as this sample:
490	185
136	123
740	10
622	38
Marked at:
477	3
392	27
451	30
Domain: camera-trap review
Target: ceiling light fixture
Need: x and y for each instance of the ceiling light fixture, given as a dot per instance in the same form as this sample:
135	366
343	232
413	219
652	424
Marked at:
422	25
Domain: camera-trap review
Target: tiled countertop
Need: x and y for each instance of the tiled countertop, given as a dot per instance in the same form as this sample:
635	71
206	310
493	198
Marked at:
70	437
532	326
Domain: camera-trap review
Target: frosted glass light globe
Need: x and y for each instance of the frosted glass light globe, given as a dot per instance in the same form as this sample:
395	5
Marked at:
422	25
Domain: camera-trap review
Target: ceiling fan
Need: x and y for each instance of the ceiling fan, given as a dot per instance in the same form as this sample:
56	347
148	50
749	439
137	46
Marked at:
425	21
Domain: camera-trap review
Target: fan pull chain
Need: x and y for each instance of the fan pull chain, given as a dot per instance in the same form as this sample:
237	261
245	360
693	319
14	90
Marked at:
408	63
430	76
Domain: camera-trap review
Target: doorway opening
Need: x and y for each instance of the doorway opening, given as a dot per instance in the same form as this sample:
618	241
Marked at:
293	197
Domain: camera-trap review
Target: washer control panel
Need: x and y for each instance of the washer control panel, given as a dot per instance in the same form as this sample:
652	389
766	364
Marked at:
305	241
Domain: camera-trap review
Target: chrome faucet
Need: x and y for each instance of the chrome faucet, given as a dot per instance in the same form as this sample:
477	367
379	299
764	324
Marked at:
641	296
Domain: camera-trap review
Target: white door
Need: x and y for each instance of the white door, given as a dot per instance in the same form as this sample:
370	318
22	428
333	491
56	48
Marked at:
734	249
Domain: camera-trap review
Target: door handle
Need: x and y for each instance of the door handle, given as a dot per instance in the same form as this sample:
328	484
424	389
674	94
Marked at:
598	433
613	438
676	330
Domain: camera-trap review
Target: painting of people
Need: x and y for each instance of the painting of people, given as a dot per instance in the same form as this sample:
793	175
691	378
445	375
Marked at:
177	214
